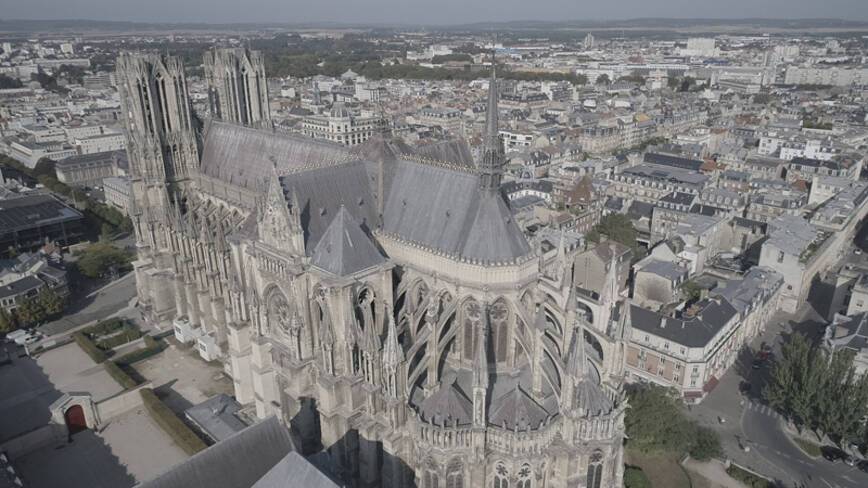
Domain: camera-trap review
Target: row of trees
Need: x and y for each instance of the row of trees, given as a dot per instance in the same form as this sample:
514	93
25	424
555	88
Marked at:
656	423
819	390
306	65
33	311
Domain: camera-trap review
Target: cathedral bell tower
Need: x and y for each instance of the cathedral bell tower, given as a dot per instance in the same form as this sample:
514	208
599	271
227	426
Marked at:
237	86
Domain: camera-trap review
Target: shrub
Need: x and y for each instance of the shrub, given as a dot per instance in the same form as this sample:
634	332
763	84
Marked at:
749	479
89	347
104	327
129	334
171	423
635	478
120	375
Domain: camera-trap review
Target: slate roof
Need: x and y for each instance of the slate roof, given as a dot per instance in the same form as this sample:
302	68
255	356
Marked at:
243	156
679	198
516	408
673	161
455	151
849	332
666	269
345	248
758	281
294	470
322	192
691	332
591	398
791	234
445	210
449	405
237	462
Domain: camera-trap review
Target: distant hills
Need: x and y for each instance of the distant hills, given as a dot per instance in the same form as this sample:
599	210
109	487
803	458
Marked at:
21	27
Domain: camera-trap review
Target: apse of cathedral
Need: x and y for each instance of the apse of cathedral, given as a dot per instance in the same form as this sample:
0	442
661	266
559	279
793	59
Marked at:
380	300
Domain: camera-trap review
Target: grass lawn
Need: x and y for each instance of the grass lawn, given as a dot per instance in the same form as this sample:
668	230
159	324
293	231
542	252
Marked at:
808	447
662	470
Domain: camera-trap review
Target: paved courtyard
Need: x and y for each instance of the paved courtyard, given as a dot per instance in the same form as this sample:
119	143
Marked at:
130	450
30	386
182	378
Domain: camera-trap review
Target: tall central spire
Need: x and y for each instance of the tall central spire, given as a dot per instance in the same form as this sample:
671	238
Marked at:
491	167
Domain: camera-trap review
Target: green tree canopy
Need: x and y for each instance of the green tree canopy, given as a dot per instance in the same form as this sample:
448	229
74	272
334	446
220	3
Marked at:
656	423
619	228
100	258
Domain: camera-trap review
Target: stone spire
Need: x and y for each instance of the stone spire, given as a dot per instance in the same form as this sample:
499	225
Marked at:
393	354
491	166
577	366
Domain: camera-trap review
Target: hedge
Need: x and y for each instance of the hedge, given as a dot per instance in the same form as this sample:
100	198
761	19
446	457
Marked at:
129	334
171	423
89	347
105	327
120	375
152	347
749	479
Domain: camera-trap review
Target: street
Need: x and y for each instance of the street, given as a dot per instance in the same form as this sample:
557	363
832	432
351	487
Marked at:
744	420
98	305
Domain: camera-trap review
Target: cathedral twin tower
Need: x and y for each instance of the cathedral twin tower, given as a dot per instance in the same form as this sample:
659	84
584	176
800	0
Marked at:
381	301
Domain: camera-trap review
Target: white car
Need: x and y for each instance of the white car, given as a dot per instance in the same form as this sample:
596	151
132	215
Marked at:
28	338
15	335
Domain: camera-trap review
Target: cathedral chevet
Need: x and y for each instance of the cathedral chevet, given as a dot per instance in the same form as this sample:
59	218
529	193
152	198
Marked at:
380	300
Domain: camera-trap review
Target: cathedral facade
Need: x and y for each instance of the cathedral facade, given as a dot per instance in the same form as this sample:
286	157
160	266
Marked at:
379	300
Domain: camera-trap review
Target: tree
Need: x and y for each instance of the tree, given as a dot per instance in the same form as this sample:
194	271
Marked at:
51	302
100	258
45	166
619	228
656	423
7	321
9	82
30	312
602	80
706	444
796	380
843	400
692	291
635	478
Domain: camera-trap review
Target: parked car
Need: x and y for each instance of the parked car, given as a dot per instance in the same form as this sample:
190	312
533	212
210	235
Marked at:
862	465
29	338
833	454
14	335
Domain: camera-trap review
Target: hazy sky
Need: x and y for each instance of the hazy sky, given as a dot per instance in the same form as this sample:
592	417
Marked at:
421	11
